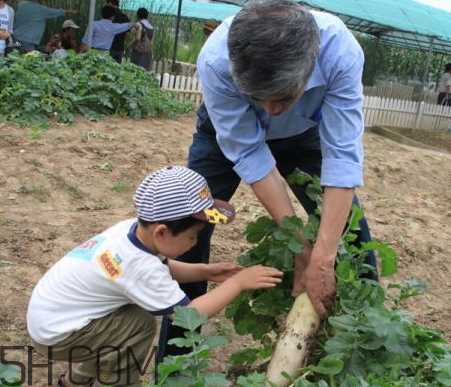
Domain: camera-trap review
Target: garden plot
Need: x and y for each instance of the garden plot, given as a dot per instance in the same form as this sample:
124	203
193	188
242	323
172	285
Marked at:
60	186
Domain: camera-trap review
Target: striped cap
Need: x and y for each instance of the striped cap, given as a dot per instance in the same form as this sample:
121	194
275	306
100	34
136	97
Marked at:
178	192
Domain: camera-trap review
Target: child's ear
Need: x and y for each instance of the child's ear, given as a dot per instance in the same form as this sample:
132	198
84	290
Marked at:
161	231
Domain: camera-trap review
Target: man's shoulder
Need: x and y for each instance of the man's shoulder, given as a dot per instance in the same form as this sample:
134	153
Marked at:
215	52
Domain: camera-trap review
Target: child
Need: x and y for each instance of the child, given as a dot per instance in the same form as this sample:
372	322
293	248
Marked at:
93	305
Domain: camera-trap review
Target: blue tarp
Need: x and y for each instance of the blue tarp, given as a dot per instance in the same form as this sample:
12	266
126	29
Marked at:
190	9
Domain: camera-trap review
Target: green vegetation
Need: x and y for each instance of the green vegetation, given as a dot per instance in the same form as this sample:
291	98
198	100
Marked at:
34	90
367	340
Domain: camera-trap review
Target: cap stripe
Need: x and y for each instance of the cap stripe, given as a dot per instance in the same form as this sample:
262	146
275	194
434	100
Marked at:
171	193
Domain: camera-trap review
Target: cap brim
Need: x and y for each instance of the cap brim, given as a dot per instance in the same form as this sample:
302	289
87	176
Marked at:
220	212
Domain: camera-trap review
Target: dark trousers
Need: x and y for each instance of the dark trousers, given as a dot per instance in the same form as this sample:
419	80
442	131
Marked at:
205	157
444	99
117	55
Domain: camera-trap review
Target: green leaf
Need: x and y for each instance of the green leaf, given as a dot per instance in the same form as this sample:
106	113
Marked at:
442	370
253	380
272	302
215	380
215	341
299	177
294	246
257	230
181	343
330	365
9	375
388	256
246	357
188	318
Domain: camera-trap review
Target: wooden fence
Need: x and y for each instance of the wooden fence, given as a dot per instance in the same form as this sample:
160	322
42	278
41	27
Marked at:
398	91
405	114
377	110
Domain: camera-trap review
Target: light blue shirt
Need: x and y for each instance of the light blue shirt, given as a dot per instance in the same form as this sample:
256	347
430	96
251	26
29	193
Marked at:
31	19
333	100
103	33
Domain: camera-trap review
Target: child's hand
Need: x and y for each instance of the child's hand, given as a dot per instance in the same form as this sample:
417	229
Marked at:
258	277
219	272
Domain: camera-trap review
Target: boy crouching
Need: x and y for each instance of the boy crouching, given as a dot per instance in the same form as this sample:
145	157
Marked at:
96	306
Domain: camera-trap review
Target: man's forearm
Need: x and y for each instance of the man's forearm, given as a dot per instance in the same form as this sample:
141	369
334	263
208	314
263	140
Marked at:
271	191
337	204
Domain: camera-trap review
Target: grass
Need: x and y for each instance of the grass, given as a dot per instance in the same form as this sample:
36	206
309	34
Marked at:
106	167
120	186
95	135
38	192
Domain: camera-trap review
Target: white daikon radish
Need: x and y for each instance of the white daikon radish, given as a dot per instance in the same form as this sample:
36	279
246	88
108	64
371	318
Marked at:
294	342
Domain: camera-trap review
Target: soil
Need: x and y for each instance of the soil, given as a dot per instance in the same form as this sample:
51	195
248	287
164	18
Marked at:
61	186
439	139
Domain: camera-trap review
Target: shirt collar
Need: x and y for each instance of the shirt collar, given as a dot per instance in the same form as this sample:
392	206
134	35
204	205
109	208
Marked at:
138	244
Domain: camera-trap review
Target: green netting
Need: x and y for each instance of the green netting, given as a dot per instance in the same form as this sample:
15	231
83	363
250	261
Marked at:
405	23
190	8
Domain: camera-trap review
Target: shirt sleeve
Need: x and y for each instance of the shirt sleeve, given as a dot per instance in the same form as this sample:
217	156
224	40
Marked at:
155	290
238	130
342	125
50	13
118	28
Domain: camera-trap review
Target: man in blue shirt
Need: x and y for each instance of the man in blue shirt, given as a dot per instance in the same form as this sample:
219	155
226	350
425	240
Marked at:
104	30
30	21
282	90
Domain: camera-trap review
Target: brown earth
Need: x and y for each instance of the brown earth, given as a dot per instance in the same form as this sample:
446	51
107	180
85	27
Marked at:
61	186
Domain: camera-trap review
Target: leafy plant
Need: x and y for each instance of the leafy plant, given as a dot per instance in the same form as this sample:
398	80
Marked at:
191	370
9	375
364	342
34	90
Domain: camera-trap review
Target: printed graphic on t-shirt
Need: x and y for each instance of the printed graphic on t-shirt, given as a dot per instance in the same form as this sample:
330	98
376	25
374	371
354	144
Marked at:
110	265
87	250
4	19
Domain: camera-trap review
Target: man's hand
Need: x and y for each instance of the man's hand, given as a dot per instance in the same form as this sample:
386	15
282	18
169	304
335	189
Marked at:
319	282
301	263
219	272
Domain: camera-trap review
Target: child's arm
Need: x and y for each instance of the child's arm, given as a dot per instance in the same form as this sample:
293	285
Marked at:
194	272
255	277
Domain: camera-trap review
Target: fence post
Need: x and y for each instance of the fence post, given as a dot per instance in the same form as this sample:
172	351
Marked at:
419	115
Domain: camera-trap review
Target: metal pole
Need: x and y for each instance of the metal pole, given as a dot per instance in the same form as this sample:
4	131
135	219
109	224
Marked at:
177	28
92	15
428	65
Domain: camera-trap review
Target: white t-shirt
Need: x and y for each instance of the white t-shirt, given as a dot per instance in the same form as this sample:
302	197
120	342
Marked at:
4	25
106	272
445	81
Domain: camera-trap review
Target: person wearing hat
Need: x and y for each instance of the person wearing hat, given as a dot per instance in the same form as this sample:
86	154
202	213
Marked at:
30	22
68	36
99	294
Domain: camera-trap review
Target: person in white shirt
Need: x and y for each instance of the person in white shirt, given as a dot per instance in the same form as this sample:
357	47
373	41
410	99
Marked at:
444	87
104	293
6	25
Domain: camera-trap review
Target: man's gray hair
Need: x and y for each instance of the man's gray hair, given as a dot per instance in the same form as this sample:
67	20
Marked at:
273	46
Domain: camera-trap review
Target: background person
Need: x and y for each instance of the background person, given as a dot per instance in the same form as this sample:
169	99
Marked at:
68	36
30	22
444	87
104	31
118	45
6	25
141	53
